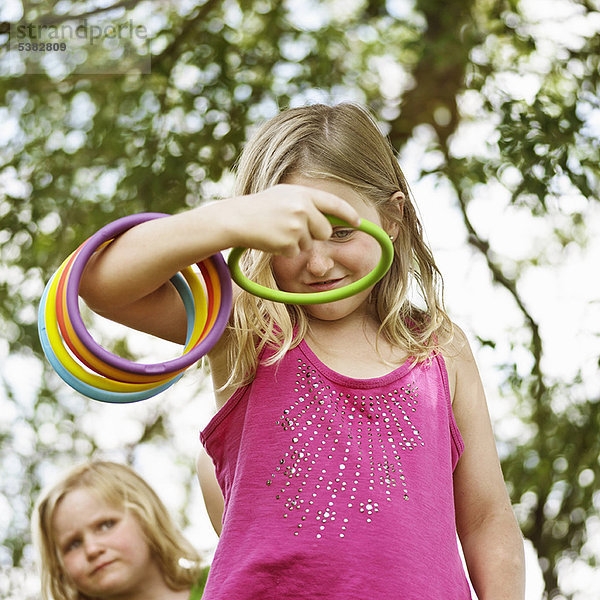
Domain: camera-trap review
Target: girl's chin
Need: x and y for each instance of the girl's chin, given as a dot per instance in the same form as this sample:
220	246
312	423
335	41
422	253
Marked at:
355	306
330	312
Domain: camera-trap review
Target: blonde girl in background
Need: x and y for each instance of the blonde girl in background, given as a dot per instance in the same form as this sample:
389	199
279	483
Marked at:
352	441
102	532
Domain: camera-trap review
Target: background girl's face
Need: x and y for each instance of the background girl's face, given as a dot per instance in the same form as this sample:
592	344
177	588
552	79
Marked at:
346	257
103	549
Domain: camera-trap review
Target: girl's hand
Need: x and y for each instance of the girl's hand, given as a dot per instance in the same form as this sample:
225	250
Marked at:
286	219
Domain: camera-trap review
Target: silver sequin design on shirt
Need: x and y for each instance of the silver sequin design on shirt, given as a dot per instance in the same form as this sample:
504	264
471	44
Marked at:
316	479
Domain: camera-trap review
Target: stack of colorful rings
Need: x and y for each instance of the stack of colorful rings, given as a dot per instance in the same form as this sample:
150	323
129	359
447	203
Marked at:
99	374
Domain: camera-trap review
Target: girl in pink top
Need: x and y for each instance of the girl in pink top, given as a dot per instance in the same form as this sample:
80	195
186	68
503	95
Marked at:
353	440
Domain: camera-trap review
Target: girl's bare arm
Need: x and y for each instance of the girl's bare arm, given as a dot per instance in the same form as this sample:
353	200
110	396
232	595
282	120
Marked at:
128	281
488	531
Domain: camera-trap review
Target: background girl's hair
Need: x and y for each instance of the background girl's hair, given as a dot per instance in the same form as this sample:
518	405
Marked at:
121	487
342	143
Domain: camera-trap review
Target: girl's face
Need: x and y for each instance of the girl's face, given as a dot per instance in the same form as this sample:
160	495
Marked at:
103	548
346	257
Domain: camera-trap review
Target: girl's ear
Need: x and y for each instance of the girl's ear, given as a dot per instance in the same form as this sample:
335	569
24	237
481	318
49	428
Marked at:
397	201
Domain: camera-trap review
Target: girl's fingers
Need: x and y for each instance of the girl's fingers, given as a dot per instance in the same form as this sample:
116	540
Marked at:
305	243
296	222
328	204
318	226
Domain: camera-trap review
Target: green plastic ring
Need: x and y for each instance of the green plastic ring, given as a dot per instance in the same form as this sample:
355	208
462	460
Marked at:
387	256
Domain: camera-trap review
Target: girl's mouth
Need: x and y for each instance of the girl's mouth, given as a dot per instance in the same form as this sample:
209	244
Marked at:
328	284
102	566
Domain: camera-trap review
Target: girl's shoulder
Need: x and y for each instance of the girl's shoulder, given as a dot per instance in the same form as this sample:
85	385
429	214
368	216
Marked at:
459	359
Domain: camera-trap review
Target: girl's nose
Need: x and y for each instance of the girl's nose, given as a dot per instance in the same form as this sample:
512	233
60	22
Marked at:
92	547
318	261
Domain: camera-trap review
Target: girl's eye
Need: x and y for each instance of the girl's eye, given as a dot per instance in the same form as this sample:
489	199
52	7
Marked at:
107	524
72	545
341	234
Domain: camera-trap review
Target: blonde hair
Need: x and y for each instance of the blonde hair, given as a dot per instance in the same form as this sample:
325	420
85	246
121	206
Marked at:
122	488
341	143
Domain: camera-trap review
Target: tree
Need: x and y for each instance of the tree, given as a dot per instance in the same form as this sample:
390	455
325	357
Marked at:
81	149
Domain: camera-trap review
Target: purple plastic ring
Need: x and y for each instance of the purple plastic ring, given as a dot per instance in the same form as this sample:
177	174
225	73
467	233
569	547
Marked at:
107	233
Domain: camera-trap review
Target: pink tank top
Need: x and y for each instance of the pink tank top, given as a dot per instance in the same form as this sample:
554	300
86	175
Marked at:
337	488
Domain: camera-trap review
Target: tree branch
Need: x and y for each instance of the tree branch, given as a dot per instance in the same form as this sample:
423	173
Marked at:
439	78
440	72
483	246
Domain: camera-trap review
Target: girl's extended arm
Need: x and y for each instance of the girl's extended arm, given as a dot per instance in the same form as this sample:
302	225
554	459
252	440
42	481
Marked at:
128	282
488	531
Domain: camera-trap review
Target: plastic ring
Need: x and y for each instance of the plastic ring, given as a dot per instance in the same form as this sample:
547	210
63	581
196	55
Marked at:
387	257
